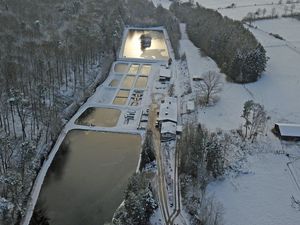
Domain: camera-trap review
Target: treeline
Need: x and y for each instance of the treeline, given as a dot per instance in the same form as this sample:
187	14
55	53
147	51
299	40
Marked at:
51	52
139	202
202	159
235	49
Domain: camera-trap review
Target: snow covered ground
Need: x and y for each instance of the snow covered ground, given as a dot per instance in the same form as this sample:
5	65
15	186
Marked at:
264	194
288	28
261	197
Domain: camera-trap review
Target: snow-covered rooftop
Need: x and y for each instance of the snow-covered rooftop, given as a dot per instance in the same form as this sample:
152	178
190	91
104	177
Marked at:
168	127
190	105
168	110
164	72
288	129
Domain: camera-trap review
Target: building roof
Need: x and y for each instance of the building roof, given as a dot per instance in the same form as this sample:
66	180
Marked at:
191	105
164	72
168	127
197	76
168	110
179	128
288	129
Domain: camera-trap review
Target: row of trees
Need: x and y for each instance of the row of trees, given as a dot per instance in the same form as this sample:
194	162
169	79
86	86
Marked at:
139	203
202	158
239	55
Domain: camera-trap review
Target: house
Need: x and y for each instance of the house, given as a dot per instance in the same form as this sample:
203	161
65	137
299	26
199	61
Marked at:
168	110
168	131
164	74
287	131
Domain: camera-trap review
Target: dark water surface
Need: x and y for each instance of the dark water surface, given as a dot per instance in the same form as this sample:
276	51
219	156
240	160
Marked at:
87	179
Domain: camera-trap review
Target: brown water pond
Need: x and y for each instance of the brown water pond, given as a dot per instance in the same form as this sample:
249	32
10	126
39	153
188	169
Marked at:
103	117
128	81
121	68
141	82
145	70
134	68
87	179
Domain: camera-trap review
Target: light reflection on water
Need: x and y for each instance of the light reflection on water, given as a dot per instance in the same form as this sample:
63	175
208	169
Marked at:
157	50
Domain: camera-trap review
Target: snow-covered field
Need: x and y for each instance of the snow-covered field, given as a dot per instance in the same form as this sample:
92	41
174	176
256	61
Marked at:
261	197
287	28
264	195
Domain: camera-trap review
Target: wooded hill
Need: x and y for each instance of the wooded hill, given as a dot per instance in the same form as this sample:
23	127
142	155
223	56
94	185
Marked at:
53	53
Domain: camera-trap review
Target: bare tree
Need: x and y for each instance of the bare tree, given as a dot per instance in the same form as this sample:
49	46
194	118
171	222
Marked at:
286	9
264	11
210	86
255	119
293	6
273	13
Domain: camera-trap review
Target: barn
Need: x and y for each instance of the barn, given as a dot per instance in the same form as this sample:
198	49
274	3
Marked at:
287	131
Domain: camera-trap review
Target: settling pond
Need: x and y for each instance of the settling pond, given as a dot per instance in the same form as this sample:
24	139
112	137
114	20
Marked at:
157	51
102	117
87	179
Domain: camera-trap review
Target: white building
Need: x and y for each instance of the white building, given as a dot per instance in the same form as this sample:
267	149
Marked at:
168	119
168	110
190	106
164	74
168	131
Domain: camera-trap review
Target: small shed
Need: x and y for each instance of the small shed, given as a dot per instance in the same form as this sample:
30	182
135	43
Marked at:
190	106
287	131
197	77
164	74
179	129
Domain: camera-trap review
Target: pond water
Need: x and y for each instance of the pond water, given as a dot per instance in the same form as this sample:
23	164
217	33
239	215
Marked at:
128	81
86	181
141	82
121	97
134	68
114	83
103	117
145	70
158	49
121	68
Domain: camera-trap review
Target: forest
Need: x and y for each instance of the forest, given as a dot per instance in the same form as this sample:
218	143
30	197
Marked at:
234	48
53	54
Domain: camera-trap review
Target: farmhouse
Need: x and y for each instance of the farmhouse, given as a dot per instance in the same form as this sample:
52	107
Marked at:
287	131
